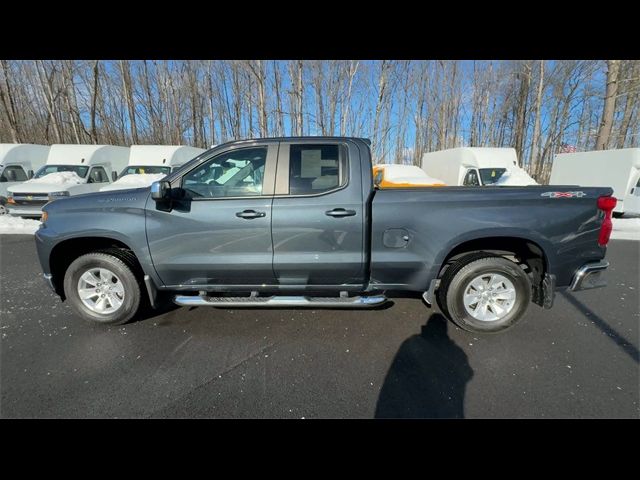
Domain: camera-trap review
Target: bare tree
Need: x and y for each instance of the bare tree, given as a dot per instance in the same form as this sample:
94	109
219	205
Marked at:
608	109
535	140
8	103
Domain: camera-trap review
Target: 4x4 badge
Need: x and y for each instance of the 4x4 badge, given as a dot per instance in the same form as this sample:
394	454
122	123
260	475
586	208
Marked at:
563	194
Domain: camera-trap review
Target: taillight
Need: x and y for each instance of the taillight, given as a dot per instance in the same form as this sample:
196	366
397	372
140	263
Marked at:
606	204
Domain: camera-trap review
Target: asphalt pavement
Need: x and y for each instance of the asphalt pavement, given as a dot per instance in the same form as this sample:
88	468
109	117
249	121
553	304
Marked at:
578	360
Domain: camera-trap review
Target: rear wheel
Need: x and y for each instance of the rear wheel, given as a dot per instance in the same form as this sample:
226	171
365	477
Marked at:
484	293
102	288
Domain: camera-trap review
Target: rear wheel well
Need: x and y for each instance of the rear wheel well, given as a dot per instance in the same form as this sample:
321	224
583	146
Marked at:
525	253
63	254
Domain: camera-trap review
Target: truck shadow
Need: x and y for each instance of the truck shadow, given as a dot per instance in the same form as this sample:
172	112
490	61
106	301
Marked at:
164	306
428	376
604	327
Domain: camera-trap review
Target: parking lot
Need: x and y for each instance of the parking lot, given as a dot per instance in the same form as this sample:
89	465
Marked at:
578	360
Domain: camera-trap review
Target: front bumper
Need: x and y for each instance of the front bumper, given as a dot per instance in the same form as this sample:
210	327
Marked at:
25	211
590	275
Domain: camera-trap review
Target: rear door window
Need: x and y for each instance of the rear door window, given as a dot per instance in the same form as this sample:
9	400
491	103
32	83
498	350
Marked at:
316	169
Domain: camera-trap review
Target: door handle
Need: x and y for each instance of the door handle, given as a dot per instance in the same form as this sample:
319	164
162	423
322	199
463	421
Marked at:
249	214
340	212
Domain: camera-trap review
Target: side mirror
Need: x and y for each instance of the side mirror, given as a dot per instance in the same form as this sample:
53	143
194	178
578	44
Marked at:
30	174
114	176
160	190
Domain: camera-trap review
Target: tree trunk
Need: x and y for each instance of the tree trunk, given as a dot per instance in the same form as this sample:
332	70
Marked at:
300	98
279	112
631	87
353	69
94	101
127	85
45	82
535	141
6	95
608	110
521	111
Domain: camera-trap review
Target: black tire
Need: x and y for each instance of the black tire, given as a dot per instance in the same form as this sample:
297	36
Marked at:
457	277
132	287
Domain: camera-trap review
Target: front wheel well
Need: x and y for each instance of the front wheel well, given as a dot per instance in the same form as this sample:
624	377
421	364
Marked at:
64	253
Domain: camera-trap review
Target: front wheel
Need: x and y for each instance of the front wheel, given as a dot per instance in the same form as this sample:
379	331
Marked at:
102	288
487	294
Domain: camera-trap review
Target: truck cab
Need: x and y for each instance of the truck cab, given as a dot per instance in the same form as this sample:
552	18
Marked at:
69	170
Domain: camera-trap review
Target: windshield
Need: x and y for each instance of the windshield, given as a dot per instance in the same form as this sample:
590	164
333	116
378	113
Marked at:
145	169
81	170
491	175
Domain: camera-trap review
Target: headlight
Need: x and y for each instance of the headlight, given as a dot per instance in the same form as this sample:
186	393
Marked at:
55	195
11	200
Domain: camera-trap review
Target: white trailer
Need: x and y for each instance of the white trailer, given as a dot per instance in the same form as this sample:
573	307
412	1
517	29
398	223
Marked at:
18	161
618	169
476	166
69	170
148	163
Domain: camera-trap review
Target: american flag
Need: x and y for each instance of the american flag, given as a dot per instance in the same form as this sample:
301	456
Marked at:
566	148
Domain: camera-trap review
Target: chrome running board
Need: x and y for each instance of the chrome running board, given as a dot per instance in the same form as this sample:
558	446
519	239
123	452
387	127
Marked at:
279	301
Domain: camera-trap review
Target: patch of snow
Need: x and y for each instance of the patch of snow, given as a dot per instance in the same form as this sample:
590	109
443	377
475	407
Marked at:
134	180
408	174
17	225
514	177
626	228
59	178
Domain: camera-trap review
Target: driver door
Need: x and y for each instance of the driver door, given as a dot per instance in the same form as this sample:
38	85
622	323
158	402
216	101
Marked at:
220	234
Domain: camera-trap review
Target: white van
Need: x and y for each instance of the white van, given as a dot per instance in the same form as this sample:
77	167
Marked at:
70	170
149	163
476	166
18	161
618	169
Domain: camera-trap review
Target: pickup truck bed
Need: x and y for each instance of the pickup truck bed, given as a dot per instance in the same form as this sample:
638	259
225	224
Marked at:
299	222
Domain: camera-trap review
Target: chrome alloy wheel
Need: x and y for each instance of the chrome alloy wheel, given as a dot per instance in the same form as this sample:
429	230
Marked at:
101	290
489	297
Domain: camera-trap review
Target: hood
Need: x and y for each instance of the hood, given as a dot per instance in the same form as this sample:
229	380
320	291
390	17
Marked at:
133	180
53	182
27	187
97	201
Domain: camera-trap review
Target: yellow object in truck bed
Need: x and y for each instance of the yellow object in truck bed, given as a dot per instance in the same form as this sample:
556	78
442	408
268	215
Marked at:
403	176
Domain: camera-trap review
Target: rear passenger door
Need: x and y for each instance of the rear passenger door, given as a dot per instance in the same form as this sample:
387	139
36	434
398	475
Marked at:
317	215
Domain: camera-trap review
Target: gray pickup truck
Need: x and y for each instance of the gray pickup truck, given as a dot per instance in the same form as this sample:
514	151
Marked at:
299	222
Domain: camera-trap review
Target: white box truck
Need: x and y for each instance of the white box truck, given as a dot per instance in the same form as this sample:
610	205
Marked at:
149	163
476	166
69	170
618	169
18	162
